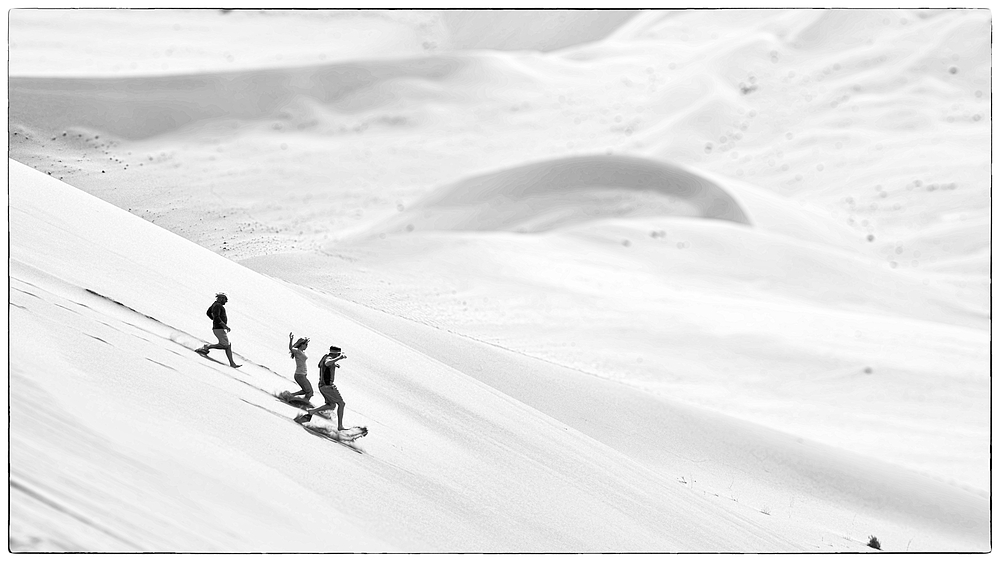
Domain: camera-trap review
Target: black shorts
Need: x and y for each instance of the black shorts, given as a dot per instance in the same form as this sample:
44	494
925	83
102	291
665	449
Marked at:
331	394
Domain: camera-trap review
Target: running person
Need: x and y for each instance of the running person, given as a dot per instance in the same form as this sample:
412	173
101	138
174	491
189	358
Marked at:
327	372
297	351
220	325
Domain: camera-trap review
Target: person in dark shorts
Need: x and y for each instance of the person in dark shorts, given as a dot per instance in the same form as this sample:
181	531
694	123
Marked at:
217	312
327	371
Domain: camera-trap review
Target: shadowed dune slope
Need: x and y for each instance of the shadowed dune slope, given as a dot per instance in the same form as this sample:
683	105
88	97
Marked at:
551	194
136	108
161	42
567	192
546	30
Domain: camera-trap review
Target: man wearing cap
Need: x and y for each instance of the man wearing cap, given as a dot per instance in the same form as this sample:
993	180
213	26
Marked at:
327	371
217	312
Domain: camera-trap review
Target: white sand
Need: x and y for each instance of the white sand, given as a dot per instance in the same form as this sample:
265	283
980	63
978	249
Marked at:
689	281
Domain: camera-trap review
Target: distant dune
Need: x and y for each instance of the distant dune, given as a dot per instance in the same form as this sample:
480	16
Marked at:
135	108
178	41
541	30
561	192
571	192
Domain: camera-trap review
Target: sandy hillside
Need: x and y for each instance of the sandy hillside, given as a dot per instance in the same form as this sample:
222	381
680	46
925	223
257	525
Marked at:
150	447
733	258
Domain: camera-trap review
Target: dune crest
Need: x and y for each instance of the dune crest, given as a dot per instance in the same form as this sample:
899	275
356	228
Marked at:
546	30
560	192
164	104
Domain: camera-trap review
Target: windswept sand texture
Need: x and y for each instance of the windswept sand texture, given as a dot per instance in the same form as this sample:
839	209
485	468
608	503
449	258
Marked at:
691	281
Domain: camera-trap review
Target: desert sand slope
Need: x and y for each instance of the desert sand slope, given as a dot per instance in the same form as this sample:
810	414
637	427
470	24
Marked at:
683	322
878	117
165	104
874	119
742	465
160	42
818	257
159	449
556	342
765	321
555	193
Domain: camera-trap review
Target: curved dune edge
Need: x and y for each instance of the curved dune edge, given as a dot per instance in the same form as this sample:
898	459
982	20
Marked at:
567	192
161	105
556	193
279	38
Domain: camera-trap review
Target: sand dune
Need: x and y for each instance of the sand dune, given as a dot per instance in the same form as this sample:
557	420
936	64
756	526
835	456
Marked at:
733	478
727	459
661	305
535	30
564	192
431	439
169	42
159	105
557	193
688	280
